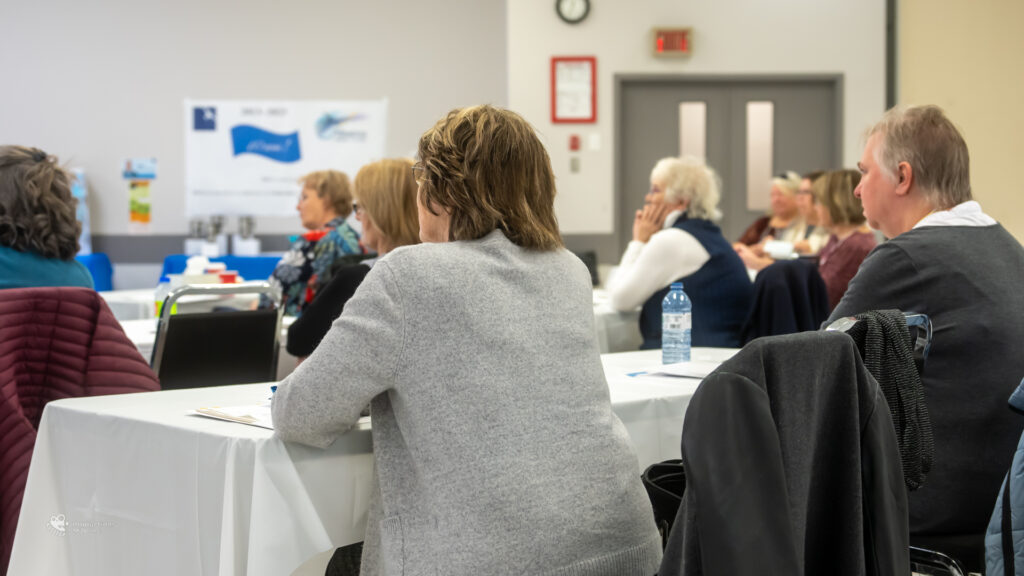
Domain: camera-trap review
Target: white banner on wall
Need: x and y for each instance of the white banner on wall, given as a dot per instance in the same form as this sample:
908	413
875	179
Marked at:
244	157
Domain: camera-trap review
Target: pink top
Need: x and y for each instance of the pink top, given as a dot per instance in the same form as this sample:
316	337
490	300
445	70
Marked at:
839	260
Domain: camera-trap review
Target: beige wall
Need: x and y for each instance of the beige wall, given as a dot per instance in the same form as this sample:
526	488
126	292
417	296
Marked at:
730	37
966	58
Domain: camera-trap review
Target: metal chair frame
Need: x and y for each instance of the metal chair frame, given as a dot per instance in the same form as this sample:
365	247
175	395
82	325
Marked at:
211	290
927	560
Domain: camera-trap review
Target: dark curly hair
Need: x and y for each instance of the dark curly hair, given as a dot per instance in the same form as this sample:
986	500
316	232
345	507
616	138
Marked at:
37	211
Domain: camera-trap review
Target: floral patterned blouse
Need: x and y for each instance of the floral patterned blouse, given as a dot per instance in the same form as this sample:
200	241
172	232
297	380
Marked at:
307	266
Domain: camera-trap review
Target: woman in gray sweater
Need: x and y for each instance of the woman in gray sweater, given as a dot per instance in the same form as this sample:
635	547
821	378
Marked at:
496	448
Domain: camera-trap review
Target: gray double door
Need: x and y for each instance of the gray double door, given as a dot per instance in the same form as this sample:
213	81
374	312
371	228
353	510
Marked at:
806	136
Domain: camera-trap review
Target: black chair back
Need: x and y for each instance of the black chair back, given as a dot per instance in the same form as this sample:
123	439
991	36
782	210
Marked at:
217	348
589	258
665	483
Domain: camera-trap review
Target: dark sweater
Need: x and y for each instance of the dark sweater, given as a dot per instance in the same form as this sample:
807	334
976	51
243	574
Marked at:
720	291
309	329
970	282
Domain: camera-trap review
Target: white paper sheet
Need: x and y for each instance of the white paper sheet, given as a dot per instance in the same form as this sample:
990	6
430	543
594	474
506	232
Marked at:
253	415
692	369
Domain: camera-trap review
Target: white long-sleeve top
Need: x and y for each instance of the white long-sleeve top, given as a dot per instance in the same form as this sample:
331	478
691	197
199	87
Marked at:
645	268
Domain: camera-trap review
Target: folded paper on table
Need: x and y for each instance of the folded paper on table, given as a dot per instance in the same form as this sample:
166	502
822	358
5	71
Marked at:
254	415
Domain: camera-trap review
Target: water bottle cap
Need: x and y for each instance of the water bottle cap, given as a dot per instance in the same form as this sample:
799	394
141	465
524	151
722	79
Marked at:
676	286
164	279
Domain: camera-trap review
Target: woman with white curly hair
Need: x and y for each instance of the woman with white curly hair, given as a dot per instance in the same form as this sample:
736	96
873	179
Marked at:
675	239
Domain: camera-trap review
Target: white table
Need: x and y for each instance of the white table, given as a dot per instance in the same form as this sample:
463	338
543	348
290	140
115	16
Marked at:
656	424
616	331
140	304
145	488
142	333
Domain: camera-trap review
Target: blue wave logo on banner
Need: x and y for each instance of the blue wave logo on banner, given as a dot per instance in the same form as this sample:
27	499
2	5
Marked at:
329	125
278	147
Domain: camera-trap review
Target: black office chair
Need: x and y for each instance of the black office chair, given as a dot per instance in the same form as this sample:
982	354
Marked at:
589	258
217	348
665	483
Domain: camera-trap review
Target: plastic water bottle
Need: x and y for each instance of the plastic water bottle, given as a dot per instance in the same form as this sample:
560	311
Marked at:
163	288
676	320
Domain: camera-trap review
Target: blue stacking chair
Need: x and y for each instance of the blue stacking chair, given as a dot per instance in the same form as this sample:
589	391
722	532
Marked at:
102	271
248	267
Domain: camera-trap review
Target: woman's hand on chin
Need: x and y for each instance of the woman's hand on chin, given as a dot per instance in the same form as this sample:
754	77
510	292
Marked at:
648	221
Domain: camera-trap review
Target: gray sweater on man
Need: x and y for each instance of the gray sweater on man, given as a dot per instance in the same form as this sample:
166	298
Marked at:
970	282
496	448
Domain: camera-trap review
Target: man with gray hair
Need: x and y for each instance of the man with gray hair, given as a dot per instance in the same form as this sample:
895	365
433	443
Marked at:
947	259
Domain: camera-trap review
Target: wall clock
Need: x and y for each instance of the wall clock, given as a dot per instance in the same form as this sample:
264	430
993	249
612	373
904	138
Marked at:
572	11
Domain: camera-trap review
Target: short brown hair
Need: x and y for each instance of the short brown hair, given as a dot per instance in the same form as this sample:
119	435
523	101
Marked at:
386	190
487	167
37	210
334	186
834	191
925	138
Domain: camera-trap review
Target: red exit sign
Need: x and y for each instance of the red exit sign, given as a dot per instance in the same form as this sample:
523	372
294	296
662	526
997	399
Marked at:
672	41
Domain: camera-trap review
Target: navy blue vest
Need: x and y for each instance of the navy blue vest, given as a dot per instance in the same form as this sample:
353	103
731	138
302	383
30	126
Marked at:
720	291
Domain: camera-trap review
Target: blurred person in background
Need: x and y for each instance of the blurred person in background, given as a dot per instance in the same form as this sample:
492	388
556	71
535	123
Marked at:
385	205
324	203
675	239
38	230
815	235
850	239
783	222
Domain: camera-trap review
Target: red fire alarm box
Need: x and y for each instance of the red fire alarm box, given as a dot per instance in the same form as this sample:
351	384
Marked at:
671	42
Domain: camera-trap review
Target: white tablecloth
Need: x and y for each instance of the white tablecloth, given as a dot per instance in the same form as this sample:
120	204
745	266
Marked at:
142	333
133	484
139	304
616	331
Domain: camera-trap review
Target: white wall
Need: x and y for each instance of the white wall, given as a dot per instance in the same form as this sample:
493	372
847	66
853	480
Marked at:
729	37
99	81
